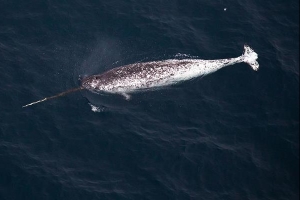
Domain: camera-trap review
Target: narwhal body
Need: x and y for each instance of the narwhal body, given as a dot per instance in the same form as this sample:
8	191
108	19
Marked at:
142	76
147	75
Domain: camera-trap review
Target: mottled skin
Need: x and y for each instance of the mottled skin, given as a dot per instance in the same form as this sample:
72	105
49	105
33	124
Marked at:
142	76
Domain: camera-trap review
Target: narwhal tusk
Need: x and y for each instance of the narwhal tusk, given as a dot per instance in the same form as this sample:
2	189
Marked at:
55	96
35	102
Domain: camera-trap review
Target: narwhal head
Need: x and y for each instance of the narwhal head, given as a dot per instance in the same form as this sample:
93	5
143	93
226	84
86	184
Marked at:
91	83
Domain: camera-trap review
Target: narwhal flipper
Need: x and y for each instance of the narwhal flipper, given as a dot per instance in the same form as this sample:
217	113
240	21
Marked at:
127	96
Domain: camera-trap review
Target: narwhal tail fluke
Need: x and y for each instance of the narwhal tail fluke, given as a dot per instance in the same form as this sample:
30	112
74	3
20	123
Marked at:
55	96
250	57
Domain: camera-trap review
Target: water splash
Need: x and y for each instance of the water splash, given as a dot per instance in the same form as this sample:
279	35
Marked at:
184	56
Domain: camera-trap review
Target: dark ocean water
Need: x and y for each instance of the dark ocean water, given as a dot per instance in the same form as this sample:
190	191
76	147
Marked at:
233	134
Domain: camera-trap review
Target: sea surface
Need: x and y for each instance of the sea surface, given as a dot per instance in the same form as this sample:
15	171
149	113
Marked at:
233	134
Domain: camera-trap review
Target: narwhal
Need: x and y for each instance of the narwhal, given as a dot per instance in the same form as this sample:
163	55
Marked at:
143	76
